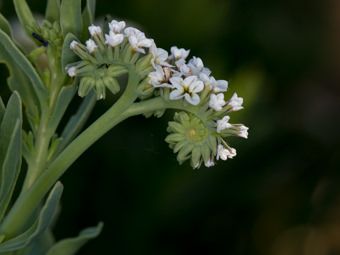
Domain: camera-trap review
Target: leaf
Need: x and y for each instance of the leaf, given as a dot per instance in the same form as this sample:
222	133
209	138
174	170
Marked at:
77	121
5	26
64	98
23	77
40	225
67	55
52	12
88	17
26	18
10	150
41	246
70	246
70	17
2	110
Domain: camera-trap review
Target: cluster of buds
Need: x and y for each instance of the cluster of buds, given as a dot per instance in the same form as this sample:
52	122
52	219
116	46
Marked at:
198	131
104	57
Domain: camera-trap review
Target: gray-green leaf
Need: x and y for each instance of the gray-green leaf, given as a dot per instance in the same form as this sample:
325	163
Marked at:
40	225
10	150
70	17
70	246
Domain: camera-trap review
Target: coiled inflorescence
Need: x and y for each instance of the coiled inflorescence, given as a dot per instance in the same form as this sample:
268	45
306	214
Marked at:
199	129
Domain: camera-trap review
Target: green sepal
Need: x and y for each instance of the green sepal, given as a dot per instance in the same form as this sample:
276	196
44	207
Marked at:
185	153
206	153
178	146
26	18
174	126
174	138
5	26
40	225
195	157
10	151
52	12
112	84
67	55
70	246
70	17
116	70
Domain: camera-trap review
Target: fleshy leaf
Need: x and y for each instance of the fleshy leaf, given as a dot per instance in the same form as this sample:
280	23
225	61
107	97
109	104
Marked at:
5	26
10	150
40	225
88	17
64	98
67	55
70	17
70	246
23	77
52	10
77	121
26	18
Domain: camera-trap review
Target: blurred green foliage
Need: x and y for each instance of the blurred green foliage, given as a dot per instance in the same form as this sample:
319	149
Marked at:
279	195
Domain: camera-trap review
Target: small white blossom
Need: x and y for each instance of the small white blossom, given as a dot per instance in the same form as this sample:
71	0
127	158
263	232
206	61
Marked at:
236	103
116	26
217	86
223	124
196	66
224	153
137	39
71	71
94	30
183	67
160	56
177	53
113	39
210	163
187	88
242	131
217	101
160	78
91	45
73	44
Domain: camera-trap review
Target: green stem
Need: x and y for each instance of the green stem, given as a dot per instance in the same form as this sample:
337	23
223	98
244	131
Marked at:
30	199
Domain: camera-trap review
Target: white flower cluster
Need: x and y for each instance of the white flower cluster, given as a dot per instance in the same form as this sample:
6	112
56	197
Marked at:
115	37
188	80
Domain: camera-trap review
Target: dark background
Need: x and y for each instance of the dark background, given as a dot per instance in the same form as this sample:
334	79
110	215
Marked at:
280	195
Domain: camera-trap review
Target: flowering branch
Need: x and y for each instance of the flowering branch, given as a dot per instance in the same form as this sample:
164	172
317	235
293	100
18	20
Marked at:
86	59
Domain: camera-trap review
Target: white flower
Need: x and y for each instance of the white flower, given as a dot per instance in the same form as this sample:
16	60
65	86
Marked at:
240	130
196	66
73	44
223	124
177	53
186	88
217	101
113	39
160	56
71	71
94	30
160	78
137	39
217	86
224	153
116	26
236	103
209	163
183	68
91	45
